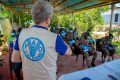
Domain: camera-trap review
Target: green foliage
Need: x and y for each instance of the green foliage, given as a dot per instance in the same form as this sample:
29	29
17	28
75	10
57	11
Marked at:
54	21
5	23
5	38
25	19
117	43
4	13
118	47
115	31
65	21
81	20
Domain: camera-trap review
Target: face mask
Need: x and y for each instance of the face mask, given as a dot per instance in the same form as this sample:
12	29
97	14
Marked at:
12	34
71	31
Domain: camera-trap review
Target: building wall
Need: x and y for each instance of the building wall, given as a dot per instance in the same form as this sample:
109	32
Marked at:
107	15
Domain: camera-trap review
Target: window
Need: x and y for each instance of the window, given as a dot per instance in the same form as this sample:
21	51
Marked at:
116	17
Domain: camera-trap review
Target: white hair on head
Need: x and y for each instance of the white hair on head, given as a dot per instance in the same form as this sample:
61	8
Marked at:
41	10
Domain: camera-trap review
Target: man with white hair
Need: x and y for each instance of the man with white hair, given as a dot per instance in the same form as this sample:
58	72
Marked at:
37	47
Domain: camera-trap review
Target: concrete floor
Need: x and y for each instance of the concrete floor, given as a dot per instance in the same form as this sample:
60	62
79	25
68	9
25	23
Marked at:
66	64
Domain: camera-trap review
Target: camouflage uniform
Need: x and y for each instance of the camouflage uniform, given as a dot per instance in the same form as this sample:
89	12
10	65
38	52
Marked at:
88	49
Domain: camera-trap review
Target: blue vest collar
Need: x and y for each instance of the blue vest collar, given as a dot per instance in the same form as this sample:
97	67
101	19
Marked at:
40	27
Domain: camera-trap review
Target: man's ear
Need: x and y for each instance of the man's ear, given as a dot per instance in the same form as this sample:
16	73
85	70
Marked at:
47	20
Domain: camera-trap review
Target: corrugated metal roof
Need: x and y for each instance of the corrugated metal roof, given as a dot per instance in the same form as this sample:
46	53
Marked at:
60	6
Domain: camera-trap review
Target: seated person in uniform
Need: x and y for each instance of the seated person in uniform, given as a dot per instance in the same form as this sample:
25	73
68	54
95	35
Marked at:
109	46
70	40
77	50
105	46
88	49
62	33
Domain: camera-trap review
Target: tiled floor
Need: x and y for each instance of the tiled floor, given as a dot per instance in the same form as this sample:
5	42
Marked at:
66	64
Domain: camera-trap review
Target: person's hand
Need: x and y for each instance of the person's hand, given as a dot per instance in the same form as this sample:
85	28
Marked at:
69	51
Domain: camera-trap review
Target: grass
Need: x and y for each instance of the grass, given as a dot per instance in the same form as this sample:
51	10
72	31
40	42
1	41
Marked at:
118	50
118	47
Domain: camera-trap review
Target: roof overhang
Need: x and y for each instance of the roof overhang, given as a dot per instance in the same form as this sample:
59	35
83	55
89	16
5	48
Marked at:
60	6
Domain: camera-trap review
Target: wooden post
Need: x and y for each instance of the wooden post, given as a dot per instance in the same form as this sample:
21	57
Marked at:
112	13
72	20
12	19
20	21
57	20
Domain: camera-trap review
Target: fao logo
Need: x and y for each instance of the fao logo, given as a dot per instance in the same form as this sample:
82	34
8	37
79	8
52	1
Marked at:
33	49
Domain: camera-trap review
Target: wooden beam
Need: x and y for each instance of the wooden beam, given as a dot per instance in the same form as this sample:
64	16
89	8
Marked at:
104	1
55	2
20	1
21	4
33	1
16	5
26	9
90	7
109	0
21	8
20	21
69	7
10	9
58	4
